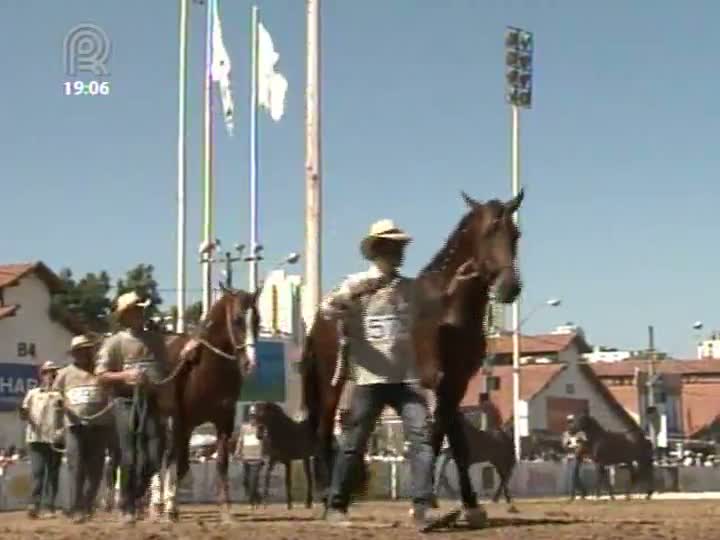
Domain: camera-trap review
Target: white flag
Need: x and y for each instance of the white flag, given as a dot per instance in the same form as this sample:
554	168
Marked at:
220	70
272	86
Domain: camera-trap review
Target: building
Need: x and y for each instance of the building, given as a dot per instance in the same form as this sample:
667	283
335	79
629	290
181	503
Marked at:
710	348
279	304
28	337
566	344
548	394
687	392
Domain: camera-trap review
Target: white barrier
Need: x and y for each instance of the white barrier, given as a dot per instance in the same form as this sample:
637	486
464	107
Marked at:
390	478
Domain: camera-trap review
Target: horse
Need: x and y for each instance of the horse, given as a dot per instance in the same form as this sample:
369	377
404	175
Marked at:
208	382
450	342
284	441
615	448
492	446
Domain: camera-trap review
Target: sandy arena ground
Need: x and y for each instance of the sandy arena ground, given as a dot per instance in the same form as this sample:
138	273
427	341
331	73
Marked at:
590	520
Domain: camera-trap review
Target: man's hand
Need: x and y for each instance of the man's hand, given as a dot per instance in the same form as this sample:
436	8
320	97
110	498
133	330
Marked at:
134	377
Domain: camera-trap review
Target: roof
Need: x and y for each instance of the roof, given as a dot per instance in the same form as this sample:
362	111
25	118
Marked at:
626	368
8	311
538	344
700	406
11	274
533	379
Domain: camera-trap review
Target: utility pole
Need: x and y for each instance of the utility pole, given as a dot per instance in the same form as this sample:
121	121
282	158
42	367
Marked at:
518	93
229	260
651	385
181	170
313	186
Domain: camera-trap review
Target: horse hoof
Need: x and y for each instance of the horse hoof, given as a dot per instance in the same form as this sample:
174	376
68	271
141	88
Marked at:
476	518
513	509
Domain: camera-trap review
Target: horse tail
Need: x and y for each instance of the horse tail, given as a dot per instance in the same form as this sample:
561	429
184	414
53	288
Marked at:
310	383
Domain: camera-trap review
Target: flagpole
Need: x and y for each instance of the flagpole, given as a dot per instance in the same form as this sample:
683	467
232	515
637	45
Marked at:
254	255
313	185
207	166
181	169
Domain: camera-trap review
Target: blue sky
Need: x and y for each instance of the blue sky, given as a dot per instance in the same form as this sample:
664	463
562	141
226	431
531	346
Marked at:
620	155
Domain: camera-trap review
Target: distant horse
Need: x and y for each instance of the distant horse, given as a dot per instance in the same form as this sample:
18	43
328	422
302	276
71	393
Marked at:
284	441
616	448
493	446
208	383
450	342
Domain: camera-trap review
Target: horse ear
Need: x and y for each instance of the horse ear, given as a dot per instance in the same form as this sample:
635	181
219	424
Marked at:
222	286
472	203
514	203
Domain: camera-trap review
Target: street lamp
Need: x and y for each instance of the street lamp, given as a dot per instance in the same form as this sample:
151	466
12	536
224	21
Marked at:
551	302
698	326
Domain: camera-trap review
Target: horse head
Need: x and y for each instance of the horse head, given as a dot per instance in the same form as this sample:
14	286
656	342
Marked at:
233	322
488	240
582	423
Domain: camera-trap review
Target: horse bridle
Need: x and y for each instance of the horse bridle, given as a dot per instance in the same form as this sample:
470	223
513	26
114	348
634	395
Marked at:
247	347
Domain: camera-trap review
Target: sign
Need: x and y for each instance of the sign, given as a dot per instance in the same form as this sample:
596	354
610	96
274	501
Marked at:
267	382
15	381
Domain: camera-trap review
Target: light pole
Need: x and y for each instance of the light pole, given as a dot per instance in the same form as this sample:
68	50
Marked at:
551	302
518	93
697	342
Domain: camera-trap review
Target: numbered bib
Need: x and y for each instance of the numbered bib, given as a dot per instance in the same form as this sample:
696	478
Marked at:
386	328
84	395
148	366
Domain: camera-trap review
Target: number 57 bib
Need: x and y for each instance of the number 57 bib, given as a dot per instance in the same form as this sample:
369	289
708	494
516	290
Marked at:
386	328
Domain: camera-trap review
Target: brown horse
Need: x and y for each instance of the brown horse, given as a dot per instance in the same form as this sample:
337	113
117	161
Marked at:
614	448
450	343
207	386
494	446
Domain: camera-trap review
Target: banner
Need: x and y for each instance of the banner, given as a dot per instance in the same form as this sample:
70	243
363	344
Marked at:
15	381
267	382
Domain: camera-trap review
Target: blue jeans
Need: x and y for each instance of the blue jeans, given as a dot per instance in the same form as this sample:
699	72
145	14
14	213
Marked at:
45	465
368	402
86	457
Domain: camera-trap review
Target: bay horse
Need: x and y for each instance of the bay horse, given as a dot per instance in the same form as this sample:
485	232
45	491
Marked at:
208	383
616	448
450	342
283	441
493	446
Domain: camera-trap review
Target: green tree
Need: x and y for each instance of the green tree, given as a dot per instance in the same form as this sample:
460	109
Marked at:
85	300
141	280
193	313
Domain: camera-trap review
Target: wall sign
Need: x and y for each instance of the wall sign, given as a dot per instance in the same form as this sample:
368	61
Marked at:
15	381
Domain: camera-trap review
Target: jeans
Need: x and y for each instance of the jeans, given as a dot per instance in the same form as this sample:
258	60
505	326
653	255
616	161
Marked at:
45	466
251	480
140	454
368	402
86	458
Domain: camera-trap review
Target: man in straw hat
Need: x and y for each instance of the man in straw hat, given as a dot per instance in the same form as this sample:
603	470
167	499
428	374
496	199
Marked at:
129	360
41	410
378	308
87	423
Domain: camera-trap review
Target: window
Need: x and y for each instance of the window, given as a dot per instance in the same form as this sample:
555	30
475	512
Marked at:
570	388
493	383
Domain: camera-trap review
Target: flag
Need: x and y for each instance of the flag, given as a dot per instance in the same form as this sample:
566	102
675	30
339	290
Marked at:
272	86
220	70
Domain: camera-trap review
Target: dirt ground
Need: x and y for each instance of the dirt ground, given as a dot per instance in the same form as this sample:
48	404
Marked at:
589	520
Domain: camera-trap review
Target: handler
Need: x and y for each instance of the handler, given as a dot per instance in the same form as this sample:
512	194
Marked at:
378	309
87	422
128	362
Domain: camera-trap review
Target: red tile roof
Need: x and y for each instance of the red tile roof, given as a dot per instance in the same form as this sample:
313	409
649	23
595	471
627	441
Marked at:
700	406
533	379
538	344
11	274
626	368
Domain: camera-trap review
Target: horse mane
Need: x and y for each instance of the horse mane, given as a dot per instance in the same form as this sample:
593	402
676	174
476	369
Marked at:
450	245
439	260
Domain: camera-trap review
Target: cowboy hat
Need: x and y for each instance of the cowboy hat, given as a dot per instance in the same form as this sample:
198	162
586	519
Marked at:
81	342
382	229
49	366
129	300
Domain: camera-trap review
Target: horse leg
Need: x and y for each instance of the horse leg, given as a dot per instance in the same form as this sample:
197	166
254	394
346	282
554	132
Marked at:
633	480
440	477
309	481
268	471
599	480
288	484
223	462
649	471
461	453
610	480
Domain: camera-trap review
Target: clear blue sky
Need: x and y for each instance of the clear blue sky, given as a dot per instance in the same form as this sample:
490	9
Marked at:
620	152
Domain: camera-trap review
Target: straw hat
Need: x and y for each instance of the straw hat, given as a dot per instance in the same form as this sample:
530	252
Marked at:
81	342
49	366
382	229
129	300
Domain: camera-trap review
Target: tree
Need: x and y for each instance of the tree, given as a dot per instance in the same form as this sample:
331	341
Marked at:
141	280
85	300
193	313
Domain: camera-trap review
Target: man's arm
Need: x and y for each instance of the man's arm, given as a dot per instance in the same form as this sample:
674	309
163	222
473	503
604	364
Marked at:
108	365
